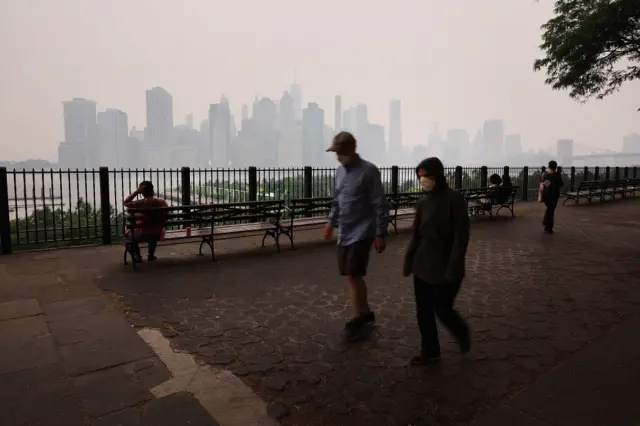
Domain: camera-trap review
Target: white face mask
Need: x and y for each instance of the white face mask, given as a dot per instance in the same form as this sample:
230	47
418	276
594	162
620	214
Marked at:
427	184
344	159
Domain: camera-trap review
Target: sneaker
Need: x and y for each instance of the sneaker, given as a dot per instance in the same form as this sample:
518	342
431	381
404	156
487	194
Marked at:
421	360
369	318
353	329
152	258
548	231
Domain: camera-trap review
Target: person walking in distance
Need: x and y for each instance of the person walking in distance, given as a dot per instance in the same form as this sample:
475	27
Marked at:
436	257
359	210
551	185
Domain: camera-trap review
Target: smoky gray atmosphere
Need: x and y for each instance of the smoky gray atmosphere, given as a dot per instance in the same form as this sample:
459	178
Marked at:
210	84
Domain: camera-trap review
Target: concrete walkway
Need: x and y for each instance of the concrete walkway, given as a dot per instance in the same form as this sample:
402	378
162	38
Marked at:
253	337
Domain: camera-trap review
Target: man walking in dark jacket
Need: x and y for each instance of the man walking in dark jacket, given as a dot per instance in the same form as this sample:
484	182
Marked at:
552	184
436	257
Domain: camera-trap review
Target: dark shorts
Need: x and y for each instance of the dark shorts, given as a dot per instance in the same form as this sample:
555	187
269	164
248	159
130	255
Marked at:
354	258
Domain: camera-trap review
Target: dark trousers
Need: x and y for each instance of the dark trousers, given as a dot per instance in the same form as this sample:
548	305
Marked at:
150	239
549	213
437	300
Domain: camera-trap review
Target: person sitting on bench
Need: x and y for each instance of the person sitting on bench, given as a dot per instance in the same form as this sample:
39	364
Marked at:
153	225
494	186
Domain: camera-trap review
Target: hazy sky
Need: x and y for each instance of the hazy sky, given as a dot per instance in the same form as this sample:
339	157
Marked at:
451	62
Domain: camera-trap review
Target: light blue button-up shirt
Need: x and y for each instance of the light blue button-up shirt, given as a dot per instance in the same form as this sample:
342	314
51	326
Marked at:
359	208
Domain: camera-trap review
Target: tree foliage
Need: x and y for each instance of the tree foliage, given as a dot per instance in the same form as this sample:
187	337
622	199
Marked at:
591	47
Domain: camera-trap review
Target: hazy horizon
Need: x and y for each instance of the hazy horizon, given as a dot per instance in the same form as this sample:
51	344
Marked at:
449	64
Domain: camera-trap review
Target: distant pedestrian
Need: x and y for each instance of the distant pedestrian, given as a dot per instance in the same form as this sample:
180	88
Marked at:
436	257
551	185
359	210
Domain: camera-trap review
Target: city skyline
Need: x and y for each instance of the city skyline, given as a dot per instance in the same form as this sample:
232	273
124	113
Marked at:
454	75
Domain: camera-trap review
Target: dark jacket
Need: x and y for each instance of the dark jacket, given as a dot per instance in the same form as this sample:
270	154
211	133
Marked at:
438	247
552	186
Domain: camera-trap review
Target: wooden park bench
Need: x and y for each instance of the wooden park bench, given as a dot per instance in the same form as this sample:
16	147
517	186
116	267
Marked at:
305	213
205	223
481	201
402	205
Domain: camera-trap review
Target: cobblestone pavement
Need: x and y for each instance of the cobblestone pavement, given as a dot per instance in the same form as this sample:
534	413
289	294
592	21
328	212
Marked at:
274	318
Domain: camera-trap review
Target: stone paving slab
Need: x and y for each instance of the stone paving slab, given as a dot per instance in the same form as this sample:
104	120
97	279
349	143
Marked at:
19	309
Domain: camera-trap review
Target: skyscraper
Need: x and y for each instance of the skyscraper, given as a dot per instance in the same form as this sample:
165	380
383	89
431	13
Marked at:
362	117
188	121
219	133
493	135
337	122
113	130
347	120
512	146
245	112
395	131
287	113
313	135
159	131
266	138
296	93
80	147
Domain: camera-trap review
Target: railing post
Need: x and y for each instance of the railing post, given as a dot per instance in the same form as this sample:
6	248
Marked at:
596	173
483	177
185	185
525	183
586	173
105	205
572	178
505	171
458	178
626	172
394	179
635	171
253	184
607	173
307	182
616	173
5	219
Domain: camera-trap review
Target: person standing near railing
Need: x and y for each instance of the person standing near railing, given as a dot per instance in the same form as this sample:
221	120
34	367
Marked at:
551	185
360	212
146	234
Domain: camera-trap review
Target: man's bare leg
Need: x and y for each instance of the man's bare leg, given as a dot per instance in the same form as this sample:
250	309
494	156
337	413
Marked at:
359	299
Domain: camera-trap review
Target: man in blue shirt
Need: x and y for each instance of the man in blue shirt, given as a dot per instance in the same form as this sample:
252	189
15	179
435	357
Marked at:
359	210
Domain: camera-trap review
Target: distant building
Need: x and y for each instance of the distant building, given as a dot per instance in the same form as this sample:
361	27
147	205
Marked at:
266	139
287	113
80	134
371	144
493	136
245	113
159	130
220	134
512	146
395	131
455	147
113	127
290	147
347	121
337	121
564	152
313	148
296	93
188	121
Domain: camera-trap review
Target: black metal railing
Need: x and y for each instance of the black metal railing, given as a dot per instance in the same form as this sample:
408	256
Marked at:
53	208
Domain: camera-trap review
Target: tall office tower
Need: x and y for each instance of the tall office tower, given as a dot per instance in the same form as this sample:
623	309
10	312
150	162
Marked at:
512	146
395	131
362	117
266	138
113	129
219	133
478	150
287	113
296	93
80	147
493	134
313	135
347	120
159	131
337	121
371	144
188	121
564	152
245	112
435	142
456	147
